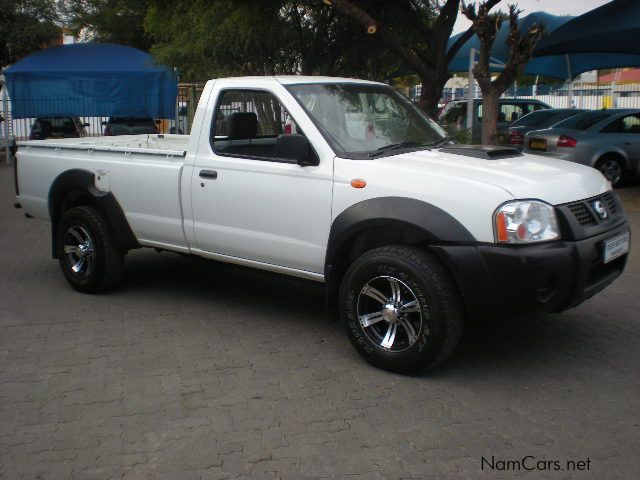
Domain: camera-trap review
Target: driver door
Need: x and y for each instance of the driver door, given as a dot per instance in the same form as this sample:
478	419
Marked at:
250	205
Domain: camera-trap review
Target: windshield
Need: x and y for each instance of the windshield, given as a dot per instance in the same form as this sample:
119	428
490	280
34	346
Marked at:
582	121
534	118
545	118
361	121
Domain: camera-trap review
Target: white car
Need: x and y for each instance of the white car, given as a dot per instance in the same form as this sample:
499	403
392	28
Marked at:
409	232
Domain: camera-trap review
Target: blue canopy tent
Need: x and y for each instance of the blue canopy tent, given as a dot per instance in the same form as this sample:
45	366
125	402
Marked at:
500	50
611	28
560	64
91	79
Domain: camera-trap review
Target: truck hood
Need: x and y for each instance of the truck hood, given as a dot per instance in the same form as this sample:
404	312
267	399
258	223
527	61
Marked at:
527	176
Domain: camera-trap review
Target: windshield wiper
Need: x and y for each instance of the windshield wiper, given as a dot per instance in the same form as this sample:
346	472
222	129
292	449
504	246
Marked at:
394	146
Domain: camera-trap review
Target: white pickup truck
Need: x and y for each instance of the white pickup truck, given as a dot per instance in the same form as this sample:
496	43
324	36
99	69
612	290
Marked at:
344	182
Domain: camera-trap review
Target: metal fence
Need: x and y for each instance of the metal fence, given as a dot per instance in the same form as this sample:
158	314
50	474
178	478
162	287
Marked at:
590	96
580	95
186	103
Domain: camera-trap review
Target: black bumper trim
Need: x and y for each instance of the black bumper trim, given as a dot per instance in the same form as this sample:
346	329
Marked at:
551	276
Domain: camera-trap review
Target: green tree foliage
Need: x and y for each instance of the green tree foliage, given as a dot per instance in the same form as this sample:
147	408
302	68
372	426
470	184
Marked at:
113	21
25	27
415	30
242	37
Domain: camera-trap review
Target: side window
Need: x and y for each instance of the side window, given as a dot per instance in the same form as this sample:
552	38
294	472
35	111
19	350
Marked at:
613	127
455	114
510	112
247	123
632	124
534	107
628	124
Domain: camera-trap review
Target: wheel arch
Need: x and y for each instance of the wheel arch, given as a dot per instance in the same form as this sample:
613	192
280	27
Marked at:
385	221
617	153
76	187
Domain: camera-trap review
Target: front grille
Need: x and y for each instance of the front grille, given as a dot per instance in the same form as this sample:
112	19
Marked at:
582	213
582	219
585	214
611	203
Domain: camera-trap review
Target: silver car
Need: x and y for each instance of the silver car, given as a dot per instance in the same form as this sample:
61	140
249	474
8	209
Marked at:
608	140
537	120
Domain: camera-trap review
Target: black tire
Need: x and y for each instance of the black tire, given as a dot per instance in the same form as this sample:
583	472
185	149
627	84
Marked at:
104	261
434	327
612	168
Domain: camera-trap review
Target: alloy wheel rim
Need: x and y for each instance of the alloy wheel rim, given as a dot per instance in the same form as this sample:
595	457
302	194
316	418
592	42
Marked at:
612	171
78	251
389	313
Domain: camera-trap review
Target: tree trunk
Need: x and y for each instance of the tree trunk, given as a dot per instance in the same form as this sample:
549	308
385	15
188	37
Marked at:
430	95
490	112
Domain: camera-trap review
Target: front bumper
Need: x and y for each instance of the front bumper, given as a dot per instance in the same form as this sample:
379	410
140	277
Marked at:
552	276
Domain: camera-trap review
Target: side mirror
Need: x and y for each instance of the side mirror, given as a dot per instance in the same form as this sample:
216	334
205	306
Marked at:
296	148
104	122
86	124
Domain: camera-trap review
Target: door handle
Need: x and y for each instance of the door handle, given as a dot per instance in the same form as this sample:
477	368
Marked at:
210	174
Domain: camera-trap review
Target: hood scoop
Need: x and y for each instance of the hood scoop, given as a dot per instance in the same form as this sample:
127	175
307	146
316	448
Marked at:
486	152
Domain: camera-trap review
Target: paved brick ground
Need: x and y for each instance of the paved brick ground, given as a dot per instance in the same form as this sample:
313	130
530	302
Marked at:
199	370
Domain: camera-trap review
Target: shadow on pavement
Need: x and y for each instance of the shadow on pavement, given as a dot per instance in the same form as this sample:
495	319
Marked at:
199	280
511	345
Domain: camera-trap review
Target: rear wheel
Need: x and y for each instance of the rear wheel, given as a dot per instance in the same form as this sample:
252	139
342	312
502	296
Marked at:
611	167
87	253
401	309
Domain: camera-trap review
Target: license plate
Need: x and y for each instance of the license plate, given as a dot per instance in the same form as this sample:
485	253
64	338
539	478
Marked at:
538	144
614	247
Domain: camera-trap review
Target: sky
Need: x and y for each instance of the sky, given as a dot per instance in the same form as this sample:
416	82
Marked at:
556	7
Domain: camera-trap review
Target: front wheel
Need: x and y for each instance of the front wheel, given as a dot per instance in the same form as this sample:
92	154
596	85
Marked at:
611	168
401	309
87	253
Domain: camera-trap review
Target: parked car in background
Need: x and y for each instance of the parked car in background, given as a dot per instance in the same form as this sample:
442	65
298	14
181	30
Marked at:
130	126
454	116
57	127
608	140
535	121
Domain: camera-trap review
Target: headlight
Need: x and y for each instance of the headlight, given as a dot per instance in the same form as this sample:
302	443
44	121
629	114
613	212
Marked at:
526	221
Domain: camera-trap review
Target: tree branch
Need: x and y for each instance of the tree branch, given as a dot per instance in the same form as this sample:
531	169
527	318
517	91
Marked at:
374	26
520	49
486	25
458	44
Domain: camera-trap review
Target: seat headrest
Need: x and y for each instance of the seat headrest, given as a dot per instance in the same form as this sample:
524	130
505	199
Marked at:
242	125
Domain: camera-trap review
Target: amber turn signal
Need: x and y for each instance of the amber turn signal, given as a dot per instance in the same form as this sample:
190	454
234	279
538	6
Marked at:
501	227
358	183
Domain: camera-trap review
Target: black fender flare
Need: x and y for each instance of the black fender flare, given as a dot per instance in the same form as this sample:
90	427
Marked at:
433	225
84	181
436	224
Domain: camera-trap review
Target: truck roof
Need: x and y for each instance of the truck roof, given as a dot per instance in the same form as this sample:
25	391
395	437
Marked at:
298	79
